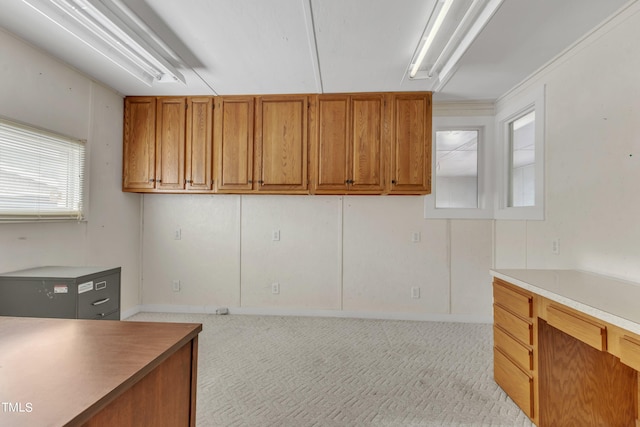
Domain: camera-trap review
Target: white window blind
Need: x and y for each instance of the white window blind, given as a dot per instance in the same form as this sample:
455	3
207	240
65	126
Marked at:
41	174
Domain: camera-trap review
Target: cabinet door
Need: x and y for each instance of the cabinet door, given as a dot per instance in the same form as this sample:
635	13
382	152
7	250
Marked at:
234	143
138	168
199	150
367	136
170	143
331	144
281	143
411	144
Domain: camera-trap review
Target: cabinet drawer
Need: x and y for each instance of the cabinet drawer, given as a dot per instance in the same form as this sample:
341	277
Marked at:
630	352
516	326
515	350
99	298
519	303
583	329
514	381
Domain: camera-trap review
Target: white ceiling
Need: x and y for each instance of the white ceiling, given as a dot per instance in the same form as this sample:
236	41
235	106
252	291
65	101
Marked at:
322	46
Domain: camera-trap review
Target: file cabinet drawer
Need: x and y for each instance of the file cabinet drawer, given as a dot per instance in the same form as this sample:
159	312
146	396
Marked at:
581	328
516	326
514	381
630	352
515	350
517	302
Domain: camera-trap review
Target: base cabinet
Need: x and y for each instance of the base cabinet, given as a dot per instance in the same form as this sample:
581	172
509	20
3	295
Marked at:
513	338
561	366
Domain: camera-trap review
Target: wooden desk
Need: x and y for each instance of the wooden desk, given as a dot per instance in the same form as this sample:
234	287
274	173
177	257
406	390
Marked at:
60	372
567	346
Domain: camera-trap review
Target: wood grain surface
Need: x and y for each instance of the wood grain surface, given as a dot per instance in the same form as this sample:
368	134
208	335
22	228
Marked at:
69	370
581	386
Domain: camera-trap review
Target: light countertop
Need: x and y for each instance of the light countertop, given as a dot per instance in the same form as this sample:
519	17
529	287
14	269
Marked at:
611	300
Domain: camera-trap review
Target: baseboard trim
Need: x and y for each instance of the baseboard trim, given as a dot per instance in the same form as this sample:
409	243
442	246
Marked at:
260	311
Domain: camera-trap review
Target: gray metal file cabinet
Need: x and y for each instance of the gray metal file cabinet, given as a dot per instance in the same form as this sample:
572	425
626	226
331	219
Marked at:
62	292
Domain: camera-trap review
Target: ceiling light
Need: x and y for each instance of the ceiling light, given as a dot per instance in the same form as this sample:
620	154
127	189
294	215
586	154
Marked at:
455	27
429	39
113	30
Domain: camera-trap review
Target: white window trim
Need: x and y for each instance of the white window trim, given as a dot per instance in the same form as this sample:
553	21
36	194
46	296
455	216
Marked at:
485	126
533	100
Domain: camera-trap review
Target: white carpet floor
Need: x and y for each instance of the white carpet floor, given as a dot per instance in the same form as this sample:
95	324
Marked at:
306	371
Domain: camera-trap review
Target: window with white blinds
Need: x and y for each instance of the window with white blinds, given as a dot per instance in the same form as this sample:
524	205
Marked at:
41	174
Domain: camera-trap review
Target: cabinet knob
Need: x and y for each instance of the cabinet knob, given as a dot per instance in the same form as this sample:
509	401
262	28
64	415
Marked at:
394	182
152	180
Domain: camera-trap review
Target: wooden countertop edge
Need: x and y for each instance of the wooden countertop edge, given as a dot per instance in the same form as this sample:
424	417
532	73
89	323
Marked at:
100	404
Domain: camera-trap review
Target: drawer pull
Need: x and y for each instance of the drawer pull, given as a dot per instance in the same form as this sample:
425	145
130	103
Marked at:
100	301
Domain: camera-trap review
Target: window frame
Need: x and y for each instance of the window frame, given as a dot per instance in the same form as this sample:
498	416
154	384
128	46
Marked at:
485	126
63	216
533	100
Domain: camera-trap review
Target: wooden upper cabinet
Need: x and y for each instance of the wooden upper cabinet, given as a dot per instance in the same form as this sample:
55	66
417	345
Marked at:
411	144
281	143
139	162
331	147
348	143
367	134
358	143
170	143
234	118
199	148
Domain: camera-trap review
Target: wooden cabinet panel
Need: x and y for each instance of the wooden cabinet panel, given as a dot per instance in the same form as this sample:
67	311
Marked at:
411	144
579	327
367	133
630	352
170	143
349	143
332	144
234	118
581	386
516	326
199	149
516	301
514	381
281	143
261	144
138	172
521	354
162	398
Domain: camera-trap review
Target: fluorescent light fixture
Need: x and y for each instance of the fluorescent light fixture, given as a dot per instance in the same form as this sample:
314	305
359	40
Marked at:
480	22
429	39
113	30
459	26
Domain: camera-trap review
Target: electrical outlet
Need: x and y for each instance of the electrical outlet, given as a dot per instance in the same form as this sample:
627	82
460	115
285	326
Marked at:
275	235
415	292
177	234
275	288
415	237
555	246
175	285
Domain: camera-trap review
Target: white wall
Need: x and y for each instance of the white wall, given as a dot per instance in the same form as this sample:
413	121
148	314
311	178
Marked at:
336	256
38	90
592	159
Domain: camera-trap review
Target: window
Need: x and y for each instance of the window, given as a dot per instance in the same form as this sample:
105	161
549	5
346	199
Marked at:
462	172
520	123
41	174
457	168
522	161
